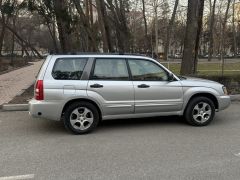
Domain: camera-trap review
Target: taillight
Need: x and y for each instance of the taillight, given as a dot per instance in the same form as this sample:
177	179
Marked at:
39	90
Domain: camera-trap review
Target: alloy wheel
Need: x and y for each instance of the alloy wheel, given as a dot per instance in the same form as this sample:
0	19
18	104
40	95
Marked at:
202	112
81	118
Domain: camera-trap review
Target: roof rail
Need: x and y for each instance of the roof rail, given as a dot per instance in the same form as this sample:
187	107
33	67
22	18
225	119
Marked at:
97	53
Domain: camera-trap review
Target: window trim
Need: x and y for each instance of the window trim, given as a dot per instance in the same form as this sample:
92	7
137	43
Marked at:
57	59
94	64
132	78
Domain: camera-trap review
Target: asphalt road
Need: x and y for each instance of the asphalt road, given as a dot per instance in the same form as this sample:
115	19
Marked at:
152	148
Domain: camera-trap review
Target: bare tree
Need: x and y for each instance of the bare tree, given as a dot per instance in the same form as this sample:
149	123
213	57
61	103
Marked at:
46	11
169	31
24	42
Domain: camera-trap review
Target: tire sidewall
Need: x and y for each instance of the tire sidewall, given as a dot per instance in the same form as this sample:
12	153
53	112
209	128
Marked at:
192	104
71	108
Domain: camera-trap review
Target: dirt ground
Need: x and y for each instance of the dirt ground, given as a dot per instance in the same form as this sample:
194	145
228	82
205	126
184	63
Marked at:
24	97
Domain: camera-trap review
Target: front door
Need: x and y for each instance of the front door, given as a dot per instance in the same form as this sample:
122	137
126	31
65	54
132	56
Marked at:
111	86
153	91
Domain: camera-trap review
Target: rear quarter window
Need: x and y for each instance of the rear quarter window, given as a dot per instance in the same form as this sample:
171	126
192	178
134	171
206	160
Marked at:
68	68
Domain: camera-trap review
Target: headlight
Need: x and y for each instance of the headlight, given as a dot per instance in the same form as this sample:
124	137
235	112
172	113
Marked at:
225	90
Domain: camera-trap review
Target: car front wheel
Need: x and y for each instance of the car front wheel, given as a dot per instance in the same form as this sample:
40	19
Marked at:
200	111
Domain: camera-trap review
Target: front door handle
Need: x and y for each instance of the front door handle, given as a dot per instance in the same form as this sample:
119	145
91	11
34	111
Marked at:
96	86
143	86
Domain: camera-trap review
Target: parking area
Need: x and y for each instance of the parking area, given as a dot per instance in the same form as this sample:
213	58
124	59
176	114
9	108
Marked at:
150	148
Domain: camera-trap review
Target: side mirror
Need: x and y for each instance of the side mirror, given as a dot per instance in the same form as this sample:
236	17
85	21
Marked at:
171	77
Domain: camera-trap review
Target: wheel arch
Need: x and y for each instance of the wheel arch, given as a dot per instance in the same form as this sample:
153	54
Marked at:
82	100
204	94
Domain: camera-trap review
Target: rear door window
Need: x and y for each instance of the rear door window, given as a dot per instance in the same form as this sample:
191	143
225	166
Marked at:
69	68
110	69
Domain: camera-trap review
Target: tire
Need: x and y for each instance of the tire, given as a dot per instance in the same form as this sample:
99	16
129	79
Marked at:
81	117
200	111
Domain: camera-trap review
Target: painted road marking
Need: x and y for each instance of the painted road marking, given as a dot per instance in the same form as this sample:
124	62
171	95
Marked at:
26	176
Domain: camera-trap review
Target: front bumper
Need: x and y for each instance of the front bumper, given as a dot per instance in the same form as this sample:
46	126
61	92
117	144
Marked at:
45	109
223	102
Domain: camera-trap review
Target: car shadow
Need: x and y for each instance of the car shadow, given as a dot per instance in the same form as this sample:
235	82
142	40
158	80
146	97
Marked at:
57	127
138	122
50	127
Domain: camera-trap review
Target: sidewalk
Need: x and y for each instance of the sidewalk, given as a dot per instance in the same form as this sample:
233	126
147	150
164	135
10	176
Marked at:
13	82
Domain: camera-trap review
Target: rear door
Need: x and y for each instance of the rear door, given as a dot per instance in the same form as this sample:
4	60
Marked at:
110	85
63	78
153	92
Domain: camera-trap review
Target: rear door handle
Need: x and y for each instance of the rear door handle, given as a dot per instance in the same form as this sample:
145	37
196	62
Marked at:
96	86
143	86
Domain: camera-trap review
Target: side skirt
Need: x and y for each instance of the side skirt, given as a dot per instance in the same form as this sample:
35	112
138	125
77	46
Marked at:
142	115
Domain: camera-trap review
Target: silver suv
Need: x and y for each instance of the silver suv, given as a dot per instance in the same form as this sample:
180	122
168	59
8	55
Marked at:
81	90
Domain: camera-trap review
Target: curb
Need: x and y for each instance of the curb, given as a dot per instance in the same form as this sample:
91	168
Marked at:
235	97
15	107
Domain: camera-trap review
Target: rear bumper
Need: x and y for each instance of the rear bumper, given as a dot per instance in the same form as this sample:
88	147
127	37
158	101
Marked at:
44	109
223	102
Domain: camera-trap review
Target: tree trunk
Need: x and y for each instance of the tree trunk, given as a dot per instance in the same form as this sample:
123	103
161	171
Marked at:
169	31
145	24
2	30
91	12
50	23
87	10
53	36
191	39
2	38
234	30
22	44
13	39
210	48
104	24
222	43
63	24
156	28
2	34
12	49
210	7
92	26
200	22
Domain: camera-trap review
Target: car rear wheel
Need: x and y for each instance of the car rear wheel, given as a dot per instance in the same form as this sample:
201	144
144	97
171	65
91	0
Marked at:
200	111
81	117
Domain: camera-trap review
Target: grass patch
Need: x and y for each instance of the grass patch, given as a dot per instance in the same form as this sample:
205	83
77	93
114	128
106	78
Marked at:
208	68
